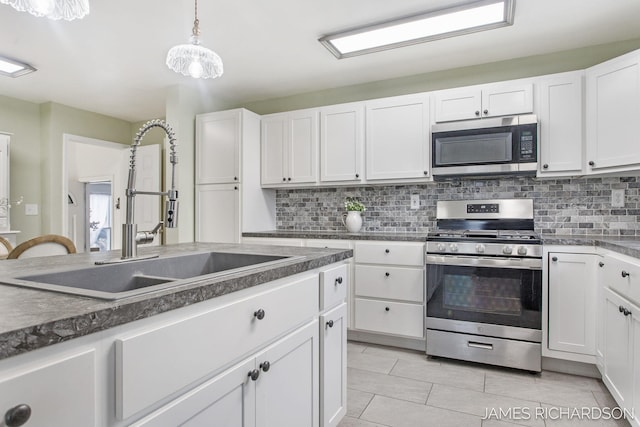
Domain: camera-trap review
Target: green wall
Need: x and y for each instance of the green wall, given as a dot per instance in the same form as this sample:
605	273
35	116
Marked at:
485	73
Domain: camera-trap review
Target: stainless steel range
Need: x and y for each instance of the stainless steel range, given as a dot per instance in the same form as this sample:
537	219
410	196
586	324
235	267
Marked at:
484	283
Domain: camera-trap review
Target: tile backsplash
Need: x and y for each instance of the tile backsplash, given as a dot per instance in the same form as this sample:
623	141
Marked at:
574	206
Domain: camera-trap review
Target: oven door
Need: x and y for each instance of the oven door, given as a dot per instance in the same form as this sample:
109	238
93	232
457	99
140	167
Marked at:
497	291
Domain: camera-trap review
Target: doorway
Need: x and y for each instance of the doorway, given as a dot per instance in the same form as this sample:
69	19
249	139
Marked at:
98	216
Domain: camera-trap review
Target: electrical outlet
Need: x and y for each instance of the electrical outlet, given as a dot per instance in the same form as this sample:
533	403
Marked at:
31	209
617	198
415	201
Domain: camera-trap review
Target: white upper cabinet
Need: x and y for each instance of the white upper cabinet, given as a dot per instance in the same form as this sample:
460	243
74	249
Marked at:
613	108
397	138
289	148
341	142
491	100
218	137
218	213
559	109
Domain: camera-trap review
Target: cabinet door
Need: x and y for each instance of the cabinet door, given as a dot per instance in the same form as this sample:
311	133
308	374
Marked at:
60	392
333	366
572	302
600	305
613	108
4	182
560	118
618	359
636	364
458	104
397	141
341	140
507	99
218	137
303	146
287	389
218	213
226	400
273	153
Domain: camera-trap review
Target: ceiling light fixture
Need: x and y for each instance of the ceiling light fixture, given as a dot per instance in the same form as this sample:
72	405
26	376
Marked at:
52	9
466	18
13	68
193	59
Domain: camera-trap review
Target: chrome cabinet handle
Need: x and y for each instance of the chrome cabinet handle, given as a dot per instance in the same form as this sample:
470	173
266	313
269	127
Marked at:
18	415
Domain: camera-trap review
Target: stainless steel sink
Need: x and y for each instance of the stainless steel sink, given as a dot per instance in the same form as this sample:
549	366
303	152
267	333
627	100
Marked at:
115	281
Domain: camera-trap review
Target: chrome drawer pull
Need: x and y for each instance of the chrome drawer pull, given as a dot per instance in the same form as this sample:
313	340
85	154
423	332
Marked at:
480	345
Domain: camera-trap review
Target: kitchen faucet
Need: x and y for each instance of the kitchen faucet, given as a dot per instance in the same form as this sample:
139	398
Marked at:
131	237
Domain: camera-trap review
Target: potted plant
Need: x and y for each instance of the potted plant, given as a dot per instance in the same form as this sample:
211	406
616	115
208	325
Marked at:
353	218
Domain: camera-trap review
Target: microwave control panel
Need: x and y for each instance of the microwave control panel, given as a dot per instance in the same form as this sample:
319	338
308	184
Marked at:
527	139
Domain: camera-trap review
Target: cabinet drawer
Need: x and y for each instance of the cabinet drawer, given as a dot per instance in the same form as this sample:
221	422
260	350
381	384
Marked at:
333	286
59	392
390	282
622	275
390	253
389	317
146	362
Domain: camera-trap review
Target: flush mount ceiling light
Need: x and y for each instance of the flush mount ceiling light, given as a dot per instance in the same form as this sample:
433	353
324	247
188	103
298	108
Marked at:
12	68
193	59
462	19
52	9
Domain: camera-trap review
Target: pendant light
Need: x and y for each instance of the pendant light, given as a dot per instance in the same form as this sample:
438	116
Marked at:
52	9
193	59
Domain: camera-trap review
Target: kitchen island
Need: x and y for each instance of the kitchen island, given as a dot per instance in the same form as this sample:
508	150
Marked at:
201	348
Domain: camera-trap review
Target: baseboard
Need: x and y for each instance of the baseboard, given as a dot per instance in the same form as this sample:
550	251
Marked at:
570	367
390	340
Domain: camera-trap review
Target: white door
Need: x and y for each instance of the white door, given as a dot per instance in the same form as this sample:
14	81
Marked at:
147	208
397	141
226	400
341	142
618	349
273	145
287	390
560	117
218	213
218	137
507	99
613	108
303	146
4	183
572	302
458	104
333	366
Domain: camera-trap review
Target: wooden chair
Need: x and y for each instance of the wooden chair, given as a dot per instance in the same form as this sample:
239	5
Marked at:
5	247
49	244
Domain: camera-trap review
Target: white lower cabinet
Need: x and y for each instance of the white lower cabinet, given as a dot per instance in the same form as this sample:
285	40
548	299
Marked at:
60	391
389	288
572	302
333	366
277	387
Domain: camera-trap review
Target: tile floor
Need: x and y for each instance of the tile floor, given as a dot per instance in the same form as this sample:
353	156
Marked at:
404	388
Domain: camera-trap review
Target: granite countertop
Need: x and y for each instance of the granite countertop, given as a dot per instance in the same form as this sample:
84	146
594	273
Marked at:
34	318
339	235
625	245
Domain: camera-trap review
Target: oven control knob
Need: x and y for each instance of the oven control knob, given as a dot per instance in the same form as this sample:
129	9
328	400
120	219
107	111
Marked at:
453	247
441	247
522	250
507	250
480	248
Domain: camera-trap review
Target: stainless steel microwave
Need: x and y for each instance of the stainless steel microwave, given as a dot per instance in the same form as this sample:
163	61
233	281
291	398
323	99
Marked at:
495	146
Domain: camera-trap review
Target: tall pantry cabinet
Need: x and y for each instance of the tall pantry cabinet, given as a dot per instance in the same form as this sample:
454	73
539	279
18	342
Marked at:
229	199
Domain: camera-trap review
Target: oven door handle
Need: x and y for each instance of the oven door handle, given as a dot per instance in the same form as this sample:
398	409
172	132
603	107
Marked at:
502	262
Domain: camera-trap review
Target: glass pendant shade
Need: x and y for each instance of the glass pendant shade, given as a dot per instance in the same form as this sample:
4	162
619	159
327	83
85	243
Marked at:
194	60
52	9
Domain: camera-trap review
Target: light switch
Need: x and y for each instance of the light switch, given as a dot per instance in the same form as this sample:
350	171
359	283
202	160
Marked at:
415	201
31	209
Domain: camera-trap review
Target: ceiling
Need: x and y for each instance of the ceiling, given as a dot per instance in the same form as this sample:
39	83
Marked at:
113	61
